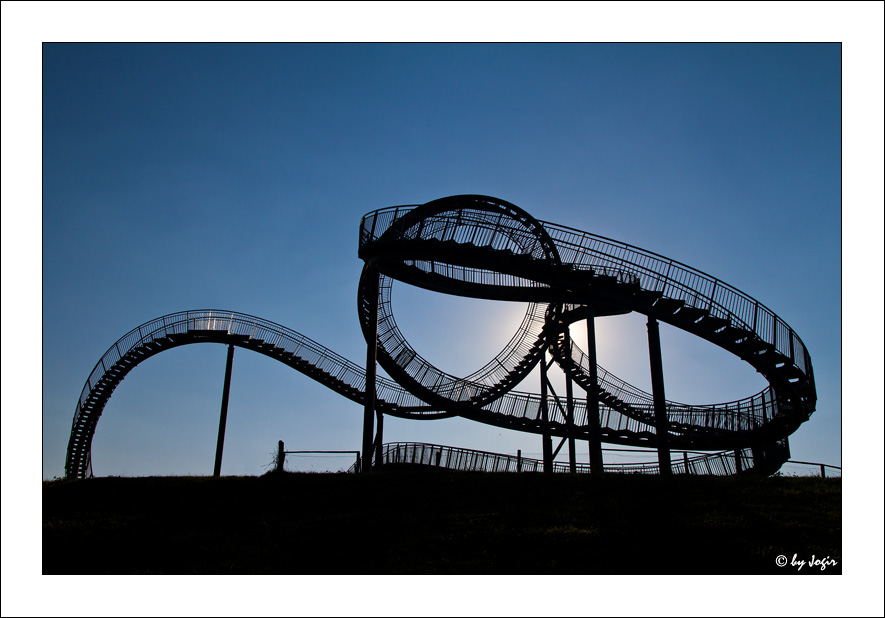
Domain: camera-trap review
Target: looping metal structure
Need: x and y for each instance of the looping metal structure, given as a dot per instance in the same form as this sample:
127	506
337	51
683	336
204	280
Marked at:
483	247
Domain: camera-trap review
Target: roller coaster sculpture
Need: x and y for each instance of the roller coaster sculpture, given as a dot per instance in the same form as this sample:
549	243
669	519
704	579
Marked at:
483	247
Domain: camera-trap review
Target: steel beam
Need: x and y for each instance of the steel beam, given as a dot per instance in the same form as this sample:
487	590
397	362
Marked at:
595	433
546	440
219	447
371	362
379	438
662	427
570	415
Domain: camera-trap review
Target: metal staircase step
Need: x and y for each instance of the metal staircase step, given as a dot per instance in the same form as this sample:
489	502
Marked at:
691	314
753	344
712	323
667	306
648	296
734	333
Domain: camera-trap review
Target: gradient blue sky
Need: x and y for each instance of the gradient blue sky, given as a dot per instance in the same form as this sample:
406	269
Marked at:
191	176
234	177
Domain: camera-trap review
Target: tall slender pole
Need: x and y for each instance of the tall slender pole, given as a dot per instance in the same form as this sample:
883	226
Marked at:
546	441
371	360
570	408
657	389
595	434
219	447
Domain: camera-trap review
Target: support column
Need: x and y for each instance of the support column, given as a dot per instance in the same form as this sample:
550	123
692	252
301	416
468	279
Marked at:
657	388
222	423
379	438
371	361
570	410
546	442
595	438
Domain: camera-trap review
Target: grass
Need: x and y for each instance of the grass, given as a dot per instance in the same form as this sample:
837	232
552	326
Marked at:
440	522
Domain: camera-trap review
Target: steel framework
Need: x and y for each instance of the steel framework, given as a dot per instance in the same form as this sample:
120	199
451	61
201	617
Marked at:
483	247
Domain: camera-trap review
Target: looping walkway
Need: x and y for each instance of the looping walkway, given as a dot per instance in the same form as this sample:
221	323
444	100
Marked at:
483	247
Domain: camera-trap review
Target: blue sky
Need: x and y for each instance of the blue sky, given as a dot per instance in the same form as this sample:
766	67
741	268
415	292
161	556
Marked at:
234	177
144	180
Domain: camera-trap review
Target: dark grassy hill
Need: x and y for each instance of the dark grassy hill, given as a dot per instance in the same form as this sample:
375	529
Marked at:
442	522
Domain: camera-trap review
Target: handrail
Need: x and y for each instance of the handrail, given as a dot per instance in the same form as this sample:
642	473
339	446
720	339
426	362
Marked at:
705	291
473	460
193	326
578	247
584	249
484	247
768	343
821	466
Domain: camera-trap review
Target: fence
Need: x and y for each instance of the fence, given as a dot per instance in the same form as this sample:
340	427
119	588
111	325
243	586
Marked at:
435	455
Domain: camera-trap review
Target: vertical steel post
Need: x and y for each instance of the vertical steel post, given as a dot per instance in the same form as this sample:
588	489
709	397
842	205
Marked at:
570	408
371	360
281	456
595	434
657	389
546	441
219	447
519	460
823	473
379	438
685	462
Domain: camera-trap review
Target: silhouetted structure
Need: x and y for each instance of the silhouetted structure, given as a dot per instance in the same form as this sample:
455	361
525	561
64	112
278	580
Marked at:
471	460
483	247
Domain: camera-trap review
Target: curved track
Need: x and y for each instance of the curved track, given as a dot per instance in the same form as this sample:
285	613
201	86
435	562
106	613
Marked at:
229	327
482	247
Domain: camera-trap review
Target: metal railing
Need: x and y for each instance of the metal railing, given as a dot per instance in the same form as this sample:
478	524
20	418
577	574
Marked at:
502	368
470	460
653	272
632	408
324	365
509	230
681	282
500	233
814	469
